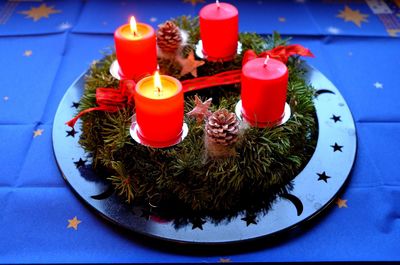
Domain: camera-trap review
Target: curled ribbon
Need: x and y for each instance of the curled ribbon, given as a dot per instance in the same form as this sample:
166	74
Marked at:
110	99
281	53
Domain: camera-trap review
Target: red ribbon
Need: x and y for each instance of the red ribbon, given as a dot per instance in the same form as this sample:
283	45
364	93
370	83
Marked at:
110	99
281	53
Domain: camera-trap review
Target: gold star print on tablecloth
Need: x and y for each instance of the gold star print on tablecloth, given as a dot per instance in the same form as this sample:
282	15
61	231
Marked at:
194	2
73	223
282	19
28	53
37	133
37	13
350	15
341	203
224	260
189	64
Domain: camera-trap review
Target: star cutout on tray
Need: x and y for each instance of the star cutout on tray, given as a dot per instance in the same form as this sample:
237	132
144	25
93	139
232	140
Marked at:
80	163
337	147
282	19
335	118
189	64
250	219
37	13
73	223
64	26
75	105
323	176
333	30
72	133
6	98
200	110
354	16
37	133
224	260
27	53
378	85
341	203
198	223
194	2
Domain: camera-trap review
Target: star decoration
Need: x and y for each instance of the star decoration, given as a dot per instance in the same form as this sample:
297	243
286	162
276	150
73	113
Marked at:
201	109
341	203
194	2
378	85
393	32
36	13
64	26
323	176
337	147
72	133
354	16
189	64
27	53
80	163
335	118
37	133
250	219
224	260
75	105
198	223
6	98
282	19
333	30
73	223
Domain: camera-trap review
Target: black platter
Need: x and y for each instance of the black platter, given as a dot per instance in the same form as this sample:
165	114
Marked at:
315	187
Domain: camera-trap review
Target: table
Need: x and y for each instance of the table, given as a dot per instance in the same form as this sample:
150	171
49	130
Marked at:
45	45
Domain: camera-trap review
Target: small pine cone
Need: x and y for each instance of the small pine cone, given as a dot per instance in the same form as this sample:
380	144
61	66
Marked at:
222	127
169	37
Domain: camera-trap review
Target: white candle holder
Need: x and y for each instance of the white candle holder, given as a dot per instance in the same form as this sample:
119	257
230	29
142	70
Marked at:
114	70
201	55
134	132
285	117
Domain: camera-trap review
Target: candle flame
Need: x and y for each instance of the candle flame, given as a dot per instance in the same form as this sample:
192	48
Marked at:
266	61
133	26
217	2
157	84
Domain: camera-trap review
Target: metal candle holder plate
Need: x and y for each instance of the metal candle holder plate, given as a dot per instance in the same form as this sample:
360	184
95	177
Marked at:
315	187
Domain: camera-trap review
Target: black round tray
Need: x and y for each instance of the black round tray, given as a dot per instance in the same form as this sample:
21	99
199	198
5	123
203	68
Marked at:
314	188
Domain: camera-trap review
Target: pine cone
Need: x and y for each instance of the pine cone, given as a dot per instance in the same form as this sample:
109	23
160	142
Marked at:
169	37
222	127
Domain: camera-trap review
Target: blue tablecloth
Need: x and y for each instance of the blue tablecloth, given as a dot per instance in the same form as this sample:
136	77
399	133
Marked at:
46	45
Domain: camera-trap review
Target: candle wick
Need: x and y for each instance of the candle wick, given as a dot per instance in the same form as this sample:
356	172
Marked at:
266	61
158	91
217	2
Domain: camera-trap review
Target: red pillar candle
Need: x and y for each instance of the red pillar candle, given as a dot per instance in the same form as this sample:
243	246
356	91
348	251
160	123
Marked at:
219	31
159	110
264	86
135	46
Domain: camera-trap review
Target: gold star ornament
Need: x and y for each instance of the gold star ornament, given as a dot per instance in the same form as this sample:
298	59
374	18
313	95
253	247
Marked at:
350	15
189	64
37	13
73	223
200	110
27	53
341	203
37	133
194	2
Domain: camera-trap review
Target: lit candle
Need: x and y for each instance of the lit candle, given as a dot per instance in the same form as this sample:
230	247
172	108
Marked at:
264	87
159	109
135	46
219	31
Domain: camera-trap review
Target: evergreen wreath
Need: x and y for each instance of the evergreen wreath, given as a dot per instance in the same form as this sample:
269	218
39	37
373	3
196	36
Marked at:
181	182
